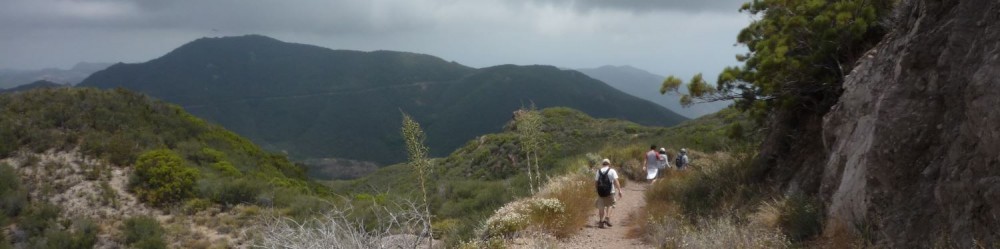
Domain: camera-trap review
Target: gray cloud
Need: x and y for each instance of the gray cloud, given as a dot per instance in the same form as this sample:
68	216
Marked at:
667	37
652	5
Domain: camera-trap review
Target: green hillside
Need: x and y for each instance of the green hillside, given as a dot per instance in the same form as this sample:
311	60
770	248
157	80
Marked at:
489	171
117	126
314	102
73	157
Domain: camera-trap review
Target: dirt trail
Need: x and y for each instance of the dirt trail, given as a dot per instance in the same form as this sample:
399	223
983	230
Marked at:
623	217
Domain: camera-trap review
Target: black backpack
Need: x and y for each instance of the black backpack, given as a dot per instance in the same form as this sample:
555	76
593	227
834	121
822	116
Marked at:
604	183
679	161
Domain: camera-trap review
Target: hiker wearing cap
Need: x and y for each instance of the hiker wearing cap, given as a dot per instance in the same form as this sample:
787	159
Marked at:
651	163
607	185
664	162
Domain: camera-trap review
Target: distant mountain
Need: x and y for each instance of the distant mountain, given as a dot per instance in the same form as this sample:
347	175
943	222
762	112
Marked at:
646	85
33	85
12	78
314	102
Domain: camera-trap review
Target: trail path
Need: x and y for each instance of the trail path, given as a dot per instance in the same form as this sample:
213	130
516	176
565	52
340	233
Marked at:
623	217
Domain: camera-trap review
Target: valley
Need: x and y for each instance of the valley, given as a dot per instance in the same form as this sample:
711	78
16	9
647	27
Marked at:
844	124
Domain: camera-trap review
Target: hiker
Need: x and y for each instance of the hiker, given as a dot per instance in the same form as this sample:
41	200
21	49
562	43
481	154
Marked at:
651	163
682	159
664	161
607	185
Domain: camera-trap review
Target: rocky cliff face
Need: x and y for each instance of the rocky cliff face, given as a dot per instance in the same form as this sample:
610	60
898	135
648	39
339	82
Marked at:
913	145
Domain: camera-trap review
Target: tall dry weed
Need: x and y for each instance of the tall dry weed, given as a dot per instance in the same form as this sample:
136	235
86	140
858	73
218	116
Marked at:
395	228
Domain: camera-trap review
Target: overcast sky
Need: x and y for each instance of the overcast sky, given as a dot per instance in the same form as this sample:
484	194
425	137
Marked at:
663	36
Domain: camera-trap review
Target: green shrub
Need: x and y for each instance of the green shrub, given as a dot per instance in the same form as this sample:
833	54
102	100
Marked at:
714	185
4	242
85	234
38	218
226	168
53	239
301	206
143	232
93	172
13	197
109	196
8	142
444	228
196	205
161	178
238	191
801	218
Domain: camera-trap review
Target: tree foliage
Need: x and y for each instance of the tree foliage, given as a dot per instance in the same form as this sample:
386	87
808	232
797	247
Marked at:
161	177
799	53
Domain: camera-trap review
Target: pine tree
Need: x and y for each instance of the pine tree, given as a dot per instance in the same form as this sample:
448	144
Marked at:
799	53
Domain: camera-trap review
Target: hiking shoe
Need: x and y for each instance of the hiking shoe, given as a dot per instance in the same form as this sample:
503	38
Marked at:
607	222
600	224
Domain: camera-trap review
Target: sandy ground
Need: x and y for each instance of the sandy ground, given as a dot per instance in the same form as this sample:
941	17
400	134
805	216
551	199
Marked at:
623	218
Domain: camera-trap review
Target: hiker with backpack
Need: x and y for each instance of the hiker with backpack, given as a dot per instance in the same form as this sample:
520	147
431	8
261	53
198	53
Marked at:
682	159
651	163
607	184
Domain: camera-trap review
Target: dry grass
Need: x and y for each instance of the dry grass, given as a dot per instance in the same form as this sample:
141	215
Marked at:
724	232
559	210
769	214
839	235
336	227
709	205
576	193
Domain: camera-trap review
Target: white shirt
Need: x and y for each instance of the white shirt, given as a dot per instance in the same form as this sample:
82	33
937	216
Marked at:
612	174
652	159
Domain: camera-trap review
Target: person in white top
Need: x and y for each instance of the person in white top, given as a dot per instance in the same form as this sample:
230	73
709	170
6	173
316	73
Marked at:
664	162
607	184
651	163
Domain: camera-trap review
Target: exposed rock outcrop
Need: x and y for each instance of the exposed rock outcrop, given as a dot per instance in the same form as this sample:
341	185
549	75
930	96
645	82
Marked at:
914	143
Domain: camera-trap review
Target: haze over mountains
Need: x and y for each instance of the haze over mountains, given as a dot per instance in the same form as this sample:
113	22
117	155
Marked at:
11	78
34	85
314	102
646	85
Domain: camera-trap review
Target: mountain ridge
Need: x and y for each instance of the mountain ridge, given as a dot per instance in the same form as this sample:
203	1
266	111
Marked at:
315	102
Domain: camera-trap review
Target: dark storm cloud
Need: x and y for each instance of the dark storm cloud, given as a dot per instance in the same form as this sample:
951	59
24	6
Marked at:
338	16
652	5
680	36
